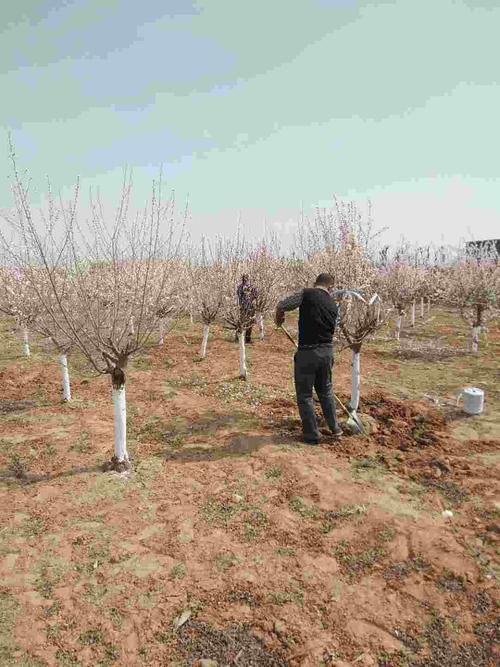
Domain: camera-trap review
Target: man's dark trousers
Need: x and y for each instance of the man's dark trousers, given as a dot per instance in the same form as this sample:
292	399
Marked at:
313	369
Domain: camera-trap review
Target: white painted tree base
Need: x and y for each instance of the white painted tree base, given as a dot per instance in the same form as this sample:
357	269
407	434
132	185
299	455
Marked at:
26	343
120	409
261	327
204	342
243	356
63	360
398	327
475	339
355	380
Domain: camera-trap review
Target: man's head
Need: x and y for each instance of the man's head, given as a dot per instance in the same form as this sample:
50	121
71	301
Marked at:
324	280
244	279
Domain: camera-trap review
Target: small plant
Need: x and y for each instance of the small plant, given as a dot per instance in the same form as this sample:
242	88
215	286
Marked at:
273	473
82	443
178	572
224	562
91	637
217	512
298	506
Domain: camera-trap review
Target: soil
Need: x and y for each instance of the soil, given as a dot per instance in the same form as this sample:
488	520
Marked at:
228	540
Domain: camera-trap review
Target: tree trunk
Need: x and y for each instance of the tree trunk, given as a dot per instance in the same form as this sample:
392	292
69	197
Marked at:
162	332
63	360
378	313
475	339
243	356
120	410
261	326
398	326
26	343
428	306
422	307
355	379
132	325
191	318
204	342
413	313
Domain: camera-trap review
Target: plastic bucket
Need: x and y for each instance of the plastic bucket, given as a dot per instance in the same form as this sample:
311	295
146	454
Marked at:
473	399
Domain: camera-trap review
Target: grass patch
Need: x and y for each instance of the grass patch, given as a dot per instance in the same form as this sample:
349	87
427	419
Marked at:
219	513
287	552
224	562
49	571
297	505
273	473
346	512
177	572
356	562
81	444
255	521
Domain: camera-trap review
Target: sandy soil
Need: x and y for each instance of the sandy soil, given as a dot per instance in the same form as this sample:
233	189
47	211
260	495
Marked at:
229	540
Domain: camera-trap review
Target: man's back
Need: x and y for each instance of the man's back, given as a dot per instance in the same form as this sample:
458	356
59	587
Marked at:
317	318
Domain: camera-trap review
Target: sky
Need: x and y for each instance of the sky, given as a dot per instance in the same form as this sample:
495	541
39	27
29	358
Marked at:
258	109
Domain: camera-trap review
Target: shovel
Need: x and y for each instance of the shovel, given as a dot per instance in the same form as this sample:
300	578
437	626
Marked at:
353	421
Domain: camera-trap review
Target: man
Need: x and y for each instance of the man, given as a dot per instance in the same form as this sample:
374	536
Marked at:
318	315
247	296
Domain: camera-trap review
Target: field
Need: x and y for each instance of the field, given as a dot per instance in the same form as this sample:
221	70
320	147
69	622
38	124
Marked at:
232	542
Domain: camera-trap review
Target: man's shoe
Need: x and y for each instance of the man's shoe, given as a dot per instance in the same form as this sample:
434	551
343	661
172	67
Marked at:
338	432
310	441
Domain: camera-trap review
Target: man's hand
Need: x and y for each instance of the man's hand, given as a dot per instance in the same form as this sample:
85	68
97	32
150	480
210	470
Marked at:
279	318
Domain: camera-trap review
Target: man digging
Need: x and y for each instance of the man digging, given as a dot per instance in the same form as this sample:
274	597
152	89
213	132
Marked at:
318	315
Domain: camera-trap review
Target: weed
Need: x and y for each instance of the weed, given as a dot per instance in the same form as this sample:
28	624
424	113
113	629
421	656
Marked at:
219	513
255	522
451	583
286	551
116	617
345	512
285	597
298	506
358	561
82	443
49	572
224	562
273	473
178	572
66	658
91	637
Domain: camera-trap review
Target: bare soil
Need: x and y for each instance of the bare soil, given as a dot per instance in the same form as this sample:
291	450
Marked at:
230	541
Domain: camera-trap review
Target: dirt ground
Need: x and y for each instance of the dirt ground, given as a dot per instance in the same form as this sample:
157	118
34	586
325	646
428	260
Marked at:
231	542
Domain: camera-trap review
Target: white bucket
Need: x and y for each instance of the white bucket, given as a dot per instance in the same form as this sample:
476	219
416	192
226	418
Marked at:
473	400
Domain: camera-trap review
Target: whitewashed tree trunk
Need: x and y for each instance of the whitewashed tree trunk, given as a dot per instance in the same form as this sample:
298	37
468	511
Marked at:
355	380
475	339
204	342
413	314
422	307
63	360
398	326
120	405
162	332
261	326
243	356
132	325
428	306
378	313
191	317
26	343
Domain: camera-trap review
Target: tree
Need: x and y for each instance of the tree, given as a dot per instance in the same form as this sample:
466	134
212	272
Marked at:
105	281
208	282
473	286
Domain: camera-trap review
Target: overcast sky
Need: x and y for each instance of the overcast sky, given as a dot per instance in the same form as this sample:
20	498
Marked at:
261	106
